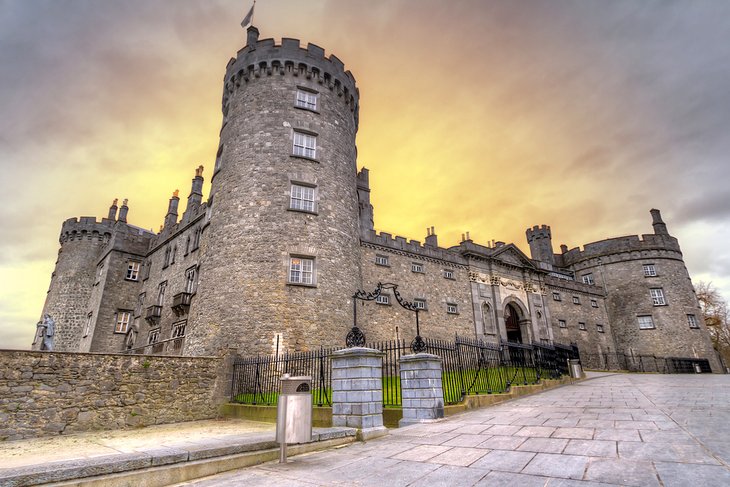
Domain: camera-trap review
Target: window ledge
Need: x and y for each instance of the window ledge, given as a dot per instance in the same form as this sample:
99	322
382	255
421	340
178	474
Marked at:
382	265
295	156
132	280
306	109
660	305
300	284
297	210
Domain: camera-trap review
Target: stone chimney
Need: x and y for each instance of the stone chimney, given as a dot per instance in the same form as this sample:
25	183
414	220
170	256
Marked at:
123	211
431	238
196	191
113	210
171	217
660	228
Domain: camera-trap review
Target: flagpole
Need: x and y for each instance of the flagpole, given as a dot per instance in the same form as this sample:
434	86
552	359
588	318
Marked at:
253	11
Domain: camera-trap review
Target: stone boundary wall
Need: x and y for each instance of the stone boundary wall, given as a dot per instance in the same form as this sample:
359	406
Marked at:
51	393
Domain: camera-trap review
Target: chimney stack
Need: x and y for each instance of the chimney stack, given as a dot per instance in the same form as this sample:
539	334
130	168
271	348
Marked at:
123	211
113	210
171	217
660	228
196	191
431	238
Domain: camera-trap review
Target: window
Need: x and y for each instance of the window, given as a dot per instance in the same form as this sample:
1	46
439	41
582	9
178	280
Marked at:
302	198
178	329
645	322
191	280
649	270
594	303
161	293
581	326
382	260
153	337
187	245
599	328
172	254
218	159
556	296
448	274
166	262
87	329
576	300
452	308
420	303
301	270
99	272
305	145
657	296
122	321
306	99
562	324
588	279
692	321
132	271
383	299
140	304
416	267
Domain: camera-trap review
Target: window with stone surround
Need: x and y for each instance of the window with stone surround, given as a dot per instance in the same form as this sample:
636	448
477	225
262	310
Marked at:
420	303
303	198
99	272
301	270
449	274
556	296
307	99
191	280
153	336
588	279
649	270
576	300
581	326
178	329
382	260
87	328
417	267
594	303
599	328
161	293
383	299
692	321
562	324
452	308
122	321
646	322
305	145
657	296
132	271
140	304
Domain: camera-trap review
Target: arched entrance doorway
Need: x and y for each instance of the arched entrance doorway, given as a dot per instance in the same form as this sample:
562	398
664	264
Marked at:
512	323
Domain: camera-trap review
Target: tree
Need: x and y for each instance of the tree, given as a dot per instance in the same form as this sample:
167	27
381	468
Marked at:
715	313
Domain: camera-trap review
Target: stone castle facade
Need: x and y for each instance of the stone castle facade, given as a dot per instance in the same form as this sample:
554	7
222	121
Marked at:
273	257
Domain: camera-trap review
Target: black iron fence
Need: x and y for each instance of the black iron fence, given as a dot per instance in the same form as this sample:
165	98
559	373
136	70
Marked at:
646	363
469	366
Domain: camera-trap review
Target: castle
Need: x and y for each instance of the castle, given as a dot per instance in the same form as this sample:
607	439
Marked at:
273	257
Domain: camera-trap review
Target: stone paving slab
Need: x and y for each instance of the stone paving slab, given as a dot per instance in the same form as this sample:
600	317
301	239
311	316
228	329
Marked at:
621	429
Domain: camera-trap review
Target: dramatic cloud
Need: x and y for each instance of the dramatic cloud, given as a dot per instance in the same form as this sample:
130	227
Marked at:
486	116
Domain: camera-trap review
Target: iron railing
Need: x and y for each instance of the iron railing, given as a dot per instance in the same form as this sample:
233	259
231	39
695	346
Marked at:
646	363
469	366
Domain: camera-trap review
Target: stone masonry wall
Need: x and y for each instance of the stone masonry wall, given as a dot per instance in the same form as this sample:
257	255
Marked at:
44	394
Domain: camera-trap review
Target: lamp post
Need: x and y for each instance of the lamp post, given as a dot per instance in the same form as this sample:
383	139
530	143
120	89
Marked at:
356	338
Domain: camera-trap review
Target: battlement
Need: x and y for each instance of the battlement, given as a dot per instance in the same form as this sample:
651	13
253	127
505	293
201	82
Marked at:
620	245
266	58
415	247
86	227
536	232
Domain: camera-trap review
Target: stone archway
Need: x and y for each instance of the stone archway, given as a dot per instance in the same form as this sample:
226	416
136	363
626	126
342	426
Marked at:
512	319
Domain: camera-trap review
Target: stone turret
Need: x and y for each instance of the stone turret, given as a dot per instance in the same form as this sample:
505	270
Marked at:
365	207
281	246
541	244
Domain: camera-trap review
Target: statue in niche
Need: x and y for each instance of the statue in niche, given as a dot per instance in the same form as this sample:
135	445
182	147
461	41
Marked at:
47	331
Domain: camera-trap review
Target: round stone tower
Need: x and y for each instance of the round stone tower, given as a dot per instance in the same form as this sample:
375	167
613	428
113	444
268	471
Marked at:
279	254
73	278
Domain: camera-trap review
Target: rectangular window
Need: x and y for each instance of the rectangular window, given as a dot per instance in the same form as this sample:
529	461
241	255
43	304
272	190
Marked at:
302	198
132	271
594	303
191	280
305	145
692	321
581	325
382	260
448	274
154	336
588	279
301	270
178	329
599	328
99	272
576	300
416	267
452	308
306	99
140	304
161	293
87	329
123	318
556	296
420	303
657	296
649	270
383	299
562	324
645	322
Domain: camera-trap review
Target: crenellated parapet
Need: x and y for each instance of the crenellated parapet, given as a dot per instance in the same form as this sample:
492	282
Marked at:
622	248
403	246
86	228
265	58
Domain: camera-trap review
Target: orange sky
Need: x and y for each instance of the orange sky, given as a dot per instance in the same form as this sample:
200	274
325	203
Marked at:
479	116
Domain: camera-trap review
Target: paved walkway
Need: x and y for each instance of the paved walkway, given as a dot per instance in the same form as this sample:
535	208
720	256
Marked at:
636	430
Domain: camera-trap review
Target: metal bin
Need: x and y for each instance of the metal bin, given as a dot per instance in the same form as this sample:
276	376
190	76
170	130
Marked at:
576	369
294	410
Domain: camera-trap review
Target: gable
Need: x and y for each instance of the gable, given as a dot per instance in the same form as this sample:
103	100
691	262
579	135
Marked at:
510	254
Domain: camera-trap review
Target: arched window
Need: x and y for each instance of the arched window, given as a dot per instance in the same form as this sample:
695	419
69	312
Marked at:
488	319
